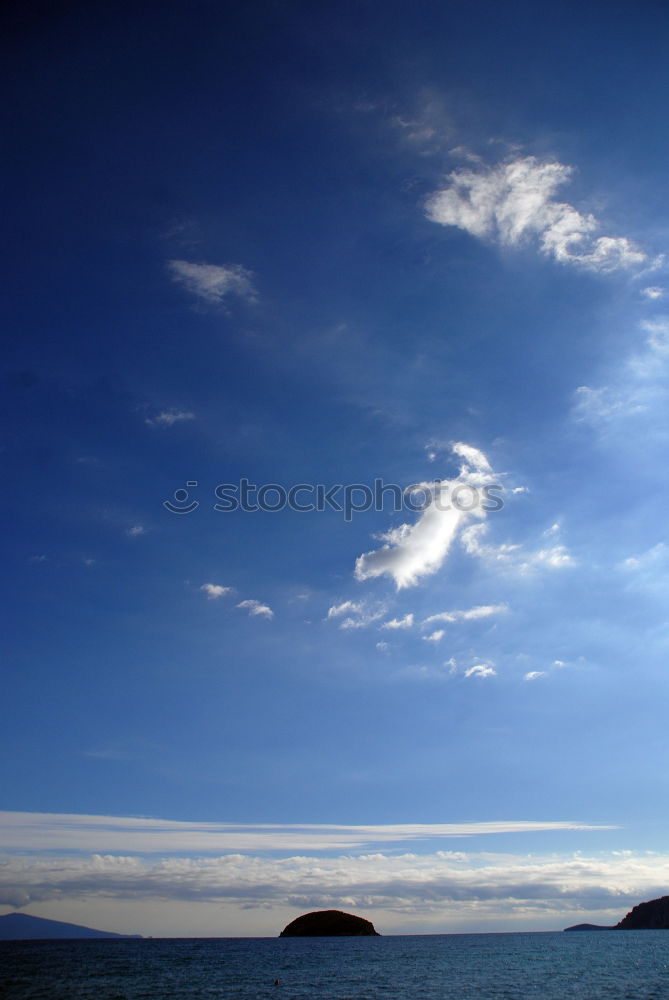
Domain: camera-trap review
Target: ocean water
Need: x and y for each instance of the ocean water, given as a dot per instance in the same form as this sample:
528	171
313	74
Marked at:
626	965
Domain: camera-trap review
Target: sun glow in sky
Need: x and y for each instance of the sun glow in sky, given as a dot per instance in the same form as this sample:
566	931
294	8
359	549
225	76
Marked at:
335	364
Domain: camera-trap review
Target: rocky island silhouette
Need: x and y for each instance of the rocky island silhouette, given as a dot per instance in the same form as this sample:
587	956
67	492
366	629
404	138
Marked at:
652	915
329	923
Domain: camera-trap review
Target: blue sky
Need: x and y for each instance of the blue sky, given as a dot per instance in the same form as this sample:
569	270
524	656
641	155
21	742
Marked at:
329	245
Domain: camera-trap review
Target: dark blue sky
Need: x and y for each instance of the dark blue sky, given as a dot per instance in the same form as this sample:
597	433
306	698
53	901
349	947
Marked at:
323	244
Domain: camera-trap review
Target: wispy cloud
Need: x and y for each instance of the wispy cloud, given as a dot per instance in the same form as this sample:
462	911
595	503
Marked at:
213	283
514	203
74	832
395	623
256	608
513	556
533	675
135	531
215	590
356	614
636	388
471	614
481	670
407	883
167	418
435	636
414	551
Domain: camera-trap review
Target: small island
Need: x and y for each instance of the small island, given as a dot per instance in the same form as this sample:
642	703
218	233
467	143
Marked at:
329	923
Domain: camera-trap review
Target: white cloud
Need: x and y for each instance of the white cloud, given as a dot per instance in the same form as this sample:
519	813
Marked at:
256	608
471	614
452	885
435	636
413	551
75	832
136	530
555	557
346	607
533	675
394	623
646	559
636	388
167	418
604	403
214	590
481	670
383	647
359	614
653	292
514	203
213	282
514	556
658	333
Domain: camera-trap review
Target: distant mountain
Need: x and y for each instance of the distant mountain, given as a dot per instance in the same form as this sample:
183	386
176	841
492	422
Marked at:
23	927
329	923
653	915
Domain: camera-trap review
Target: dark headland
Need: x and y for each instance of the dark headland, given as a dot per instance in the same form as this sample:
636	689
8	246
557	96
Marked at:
329	923
23	927
653	915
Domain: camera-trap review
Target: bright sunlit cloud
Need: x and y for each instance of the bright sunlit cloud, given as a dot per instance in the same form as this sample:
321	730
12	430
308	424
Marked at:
514	203
412	552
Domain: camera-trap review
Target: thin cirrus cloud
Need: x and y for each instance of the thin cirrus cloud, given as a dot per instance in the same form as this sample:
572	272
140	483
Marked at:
167	418
512	556
514	203
636	389
471	614
212	283
355	614
76	832
412	552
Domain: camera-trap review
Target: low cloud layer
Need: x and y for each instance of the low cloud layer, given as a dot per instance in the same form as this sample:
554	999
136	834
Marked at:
514	204
405	883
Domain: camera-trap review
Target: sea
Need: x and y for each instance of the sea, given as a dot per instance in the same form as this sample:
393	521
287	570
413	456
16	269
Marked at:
624	965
